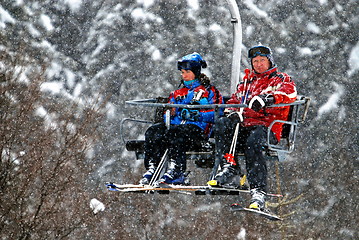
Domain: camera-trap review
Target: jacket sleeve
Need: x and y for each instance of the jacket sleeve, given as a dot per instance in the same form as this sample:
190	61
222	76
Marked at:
171	98
236	97
214	97
284	89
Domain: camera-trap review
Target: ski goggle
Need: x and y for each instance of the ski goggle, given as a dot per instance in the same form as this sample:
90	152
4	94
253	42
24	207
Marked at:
259	51
188	65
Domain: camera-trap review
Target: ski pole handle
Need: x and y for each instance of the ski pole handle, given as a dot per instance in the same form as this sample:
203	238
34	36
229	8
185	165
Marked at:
198	95
168	119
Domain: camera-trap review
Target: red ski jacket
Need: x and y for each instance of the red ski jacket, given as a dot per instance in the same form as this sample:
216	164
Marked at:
271	82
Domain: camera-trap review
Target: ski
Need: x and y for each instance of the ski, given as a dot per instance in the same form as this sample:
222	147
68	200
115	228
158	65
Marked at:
159	187
267	214
198	190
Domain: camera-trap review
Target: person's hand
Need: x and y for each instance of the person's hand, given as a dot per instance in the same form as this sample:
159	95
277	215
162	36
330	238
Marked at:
191	115
228	111
260	101
235	116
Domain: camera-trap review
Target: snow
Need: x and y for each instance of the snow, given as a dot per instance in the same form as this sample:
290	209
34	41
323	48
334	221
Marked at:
49	120
41	111
312	27
207	207
156	55
96	206
101	44
2	66
106	167
215	27
252	6
218	33
53	87
140	14
193	4
322	212
22	77
74	5
323	2
5	17
77	90
281	50
110	17
70	78
46	45
146	3
353	60
331	98
242	234
33	31
347	232
249	30
111	110
332	102
305	51
46	22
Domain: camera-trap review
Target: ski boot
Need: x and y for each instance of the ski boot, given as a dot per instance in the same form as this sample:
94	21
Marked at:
226	177
146	178
258	199
174	175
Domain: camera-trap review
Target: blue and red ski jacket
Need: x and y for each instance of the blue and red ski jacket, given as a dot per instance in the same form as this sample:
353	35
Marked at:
186	95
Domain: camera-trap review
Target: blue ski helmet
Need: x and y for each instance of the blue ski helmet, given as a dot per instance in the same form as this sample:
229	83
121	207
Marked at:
193	62
261	51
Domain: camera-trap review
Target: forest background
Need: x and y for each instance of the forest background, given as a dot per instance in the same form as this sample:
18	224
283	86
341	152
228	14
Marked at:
67	68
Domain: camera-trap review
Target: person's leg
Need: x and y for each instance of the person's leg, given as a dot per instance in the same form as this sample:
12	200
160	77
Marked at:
255	158
256	165
224	133
155	146
181	138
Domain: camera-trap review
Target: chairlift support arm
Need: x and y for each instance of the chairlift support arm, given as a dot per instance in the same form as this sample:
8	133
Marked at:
237	43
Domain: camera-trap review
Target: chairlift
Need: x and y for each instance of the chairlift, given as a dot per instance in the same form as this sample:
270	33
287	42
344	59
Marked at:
204	153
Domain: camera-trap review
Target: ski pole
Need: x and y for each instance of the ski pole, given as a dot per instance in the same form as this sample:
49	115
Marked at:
230	156
164	157
159	168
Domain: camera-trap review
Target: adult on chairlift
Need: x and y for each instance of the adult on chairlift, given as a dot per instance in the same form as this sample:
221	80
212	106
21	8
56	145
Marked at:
187	127
246	129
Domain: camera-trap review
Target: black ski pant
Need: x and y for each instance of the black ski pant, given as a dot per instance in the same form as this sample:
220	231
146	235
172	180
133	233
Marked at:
178	140
252	141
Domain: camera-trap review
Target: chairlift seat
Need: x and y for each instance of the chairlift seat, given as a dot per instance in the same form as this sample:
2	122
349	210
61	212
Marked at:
203	153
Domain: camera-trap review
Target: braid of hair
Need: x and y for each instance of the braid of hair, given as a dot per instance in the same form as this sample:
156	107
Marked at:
204	79
181	83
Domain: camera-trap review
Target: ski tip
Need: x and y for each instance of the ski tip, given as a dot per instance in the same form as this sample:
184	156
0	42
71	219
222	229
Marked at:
254	206
236	206
265	214
212	183
111	186
243	180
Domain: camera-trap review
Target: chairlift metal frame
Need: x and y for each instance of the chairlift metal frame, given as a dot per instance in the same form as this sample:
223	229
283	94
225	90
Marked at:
298	113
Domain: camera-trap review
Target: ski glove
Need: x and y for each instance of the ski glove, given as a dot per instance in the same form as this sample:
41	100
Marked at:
190	115
260	101
236	117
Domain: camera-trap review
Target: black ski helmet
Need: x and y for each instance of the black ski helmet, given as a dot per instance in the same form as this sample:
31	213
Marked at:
193	62
261	51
